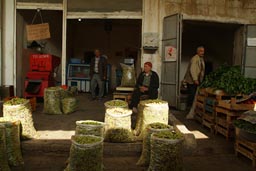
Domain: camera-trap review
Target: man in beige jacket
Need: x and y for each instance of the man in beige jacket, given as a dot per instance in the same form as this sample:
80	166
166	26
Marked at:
195	73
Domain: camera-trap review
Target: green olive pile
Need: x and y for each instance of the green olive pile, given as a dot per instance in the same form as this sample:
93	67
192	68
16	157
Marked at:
86	139
116	103
16	101
168	135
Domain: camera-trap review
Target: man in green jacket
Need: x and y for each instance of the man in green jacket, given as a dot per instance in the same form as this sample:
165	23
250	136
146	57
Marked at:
195	74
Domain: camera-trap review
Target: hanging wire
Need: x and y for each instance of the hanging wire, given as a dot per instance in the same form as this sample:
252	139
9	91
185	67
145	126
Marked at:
38	11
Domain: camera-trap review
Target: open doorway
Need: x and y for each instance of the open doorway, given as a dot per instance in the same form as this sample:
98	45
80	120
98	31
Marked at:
224	44
219	40
24	48
117	39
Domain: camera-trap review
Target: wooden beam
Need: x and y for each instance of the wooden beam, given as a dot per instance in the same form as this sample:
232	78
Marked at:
43	6
105	15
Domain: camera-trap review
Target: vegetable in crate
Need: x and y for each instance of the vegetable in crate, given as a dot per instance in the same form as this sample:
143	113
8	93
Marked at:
69	105
52	100
151	111
3	157
86	153
231	80
20	109
13	145
166	151
150	129
90	127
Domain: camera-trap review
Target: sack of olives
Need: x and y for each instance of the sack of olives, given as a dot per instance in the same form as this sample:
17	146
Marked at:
3	157
86	153
118	125
128	77
150	129
19	109
166	151
151	111
89	127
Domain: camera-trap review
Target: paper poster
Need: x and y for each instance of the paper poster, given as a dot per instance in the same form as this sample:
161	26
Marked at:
170	53
251	41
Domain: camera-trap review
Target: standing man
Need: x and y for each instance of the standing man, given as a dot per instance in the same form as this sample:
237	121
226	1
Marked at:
147	84
195	73
98	74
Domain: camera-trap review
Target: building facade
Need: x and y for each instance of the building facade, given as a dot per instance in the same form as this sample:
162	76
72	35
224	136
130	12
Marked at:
216	24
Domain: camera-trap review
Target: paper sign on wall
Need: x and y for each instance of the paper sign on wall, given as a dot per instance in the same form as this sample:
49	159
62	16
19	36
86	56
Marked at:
170	53
251	41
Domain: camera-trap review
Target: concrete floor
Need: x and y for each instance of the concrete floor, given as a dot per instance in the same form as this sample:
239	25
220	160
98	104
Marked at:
51	150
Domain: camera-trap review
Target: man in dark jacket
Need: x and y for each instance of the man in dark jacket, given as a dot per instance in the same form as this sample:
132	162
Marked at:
147	84
98	73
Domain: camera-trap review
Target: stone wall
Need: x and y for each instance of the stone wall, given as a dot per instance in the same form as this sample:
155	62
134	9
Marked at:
241	11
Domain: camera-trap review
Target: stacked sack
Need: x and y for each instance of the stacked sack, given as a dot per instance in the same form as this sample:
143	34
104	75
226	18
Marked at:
86	152
58	101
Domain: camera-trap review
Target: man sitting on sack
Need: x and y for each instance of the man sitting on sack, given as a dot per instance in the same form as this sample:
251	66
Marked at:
147	84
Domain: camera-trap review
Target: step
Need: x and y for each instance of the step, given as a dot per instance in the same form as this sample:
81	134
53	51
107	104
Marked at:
63	146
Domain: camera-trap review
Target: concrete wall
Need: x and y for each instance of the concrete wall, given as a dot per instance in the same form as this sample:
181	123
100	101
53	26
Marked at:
152	23
242	11
104	5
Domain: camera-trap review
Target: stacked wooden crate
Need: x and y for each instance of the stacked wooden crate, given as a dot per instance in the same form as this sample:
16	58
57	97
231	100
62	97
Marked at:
246	148
199	110
209	113
226	112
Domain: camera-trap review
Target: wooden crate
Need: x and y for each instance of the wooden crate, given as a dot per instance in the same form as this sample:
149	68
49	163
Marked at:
200	98
232	105
246	148
224	121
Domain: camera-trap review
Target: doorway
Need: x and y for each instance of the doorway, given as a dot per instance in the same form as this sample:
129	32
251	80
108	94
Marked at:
224	44
24	48
117	39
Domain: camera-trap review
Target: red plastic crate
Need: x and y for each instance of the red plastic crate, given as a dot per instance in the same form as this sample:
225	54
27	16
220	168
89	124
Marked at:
43	62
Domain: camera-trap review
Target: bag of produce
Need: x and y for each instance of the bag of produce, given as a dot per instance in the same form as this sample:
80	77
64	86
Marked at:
69	105
151	111
89	127
52	100
66	93
119	135
86	153
13	146
115	104
150	129
3	157
166	151
128	77
19	109
118	125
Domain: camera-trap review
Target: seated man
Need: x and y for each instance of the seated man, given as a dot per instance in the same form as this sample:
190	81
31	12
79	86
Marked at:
147	84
